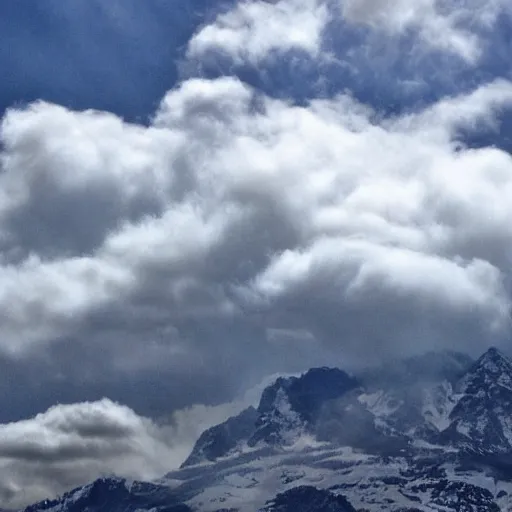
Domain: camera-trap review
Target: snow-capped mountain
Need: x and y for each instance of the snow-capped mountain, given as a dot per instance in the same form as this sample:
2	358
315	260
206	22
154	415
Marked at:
307	499
429	433
481	420
114	495
289	409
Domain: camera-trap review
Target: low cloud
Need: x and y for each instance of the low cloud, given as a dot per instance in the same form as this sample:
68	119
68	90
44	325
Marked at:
69	445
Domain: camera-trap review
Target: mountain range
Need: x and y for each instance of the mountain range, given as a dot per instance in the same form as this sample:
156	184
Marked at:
433	432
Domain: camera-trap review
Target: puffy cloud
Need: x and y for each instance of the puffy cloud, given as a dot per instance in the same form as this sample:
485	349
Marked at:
252	31
441	25
69	445
250	203
255	30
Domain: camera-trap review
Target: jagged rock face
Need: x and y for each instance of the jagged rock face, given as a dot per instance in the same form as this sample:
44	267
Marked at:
450	403
461	496
292	406
288	409
491	373
471	411
308	499
481	421
307	393
220	440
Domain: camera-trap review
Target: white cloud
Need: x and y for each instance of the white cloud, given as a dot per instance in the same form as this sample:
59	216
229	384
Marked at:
442	29
69	445
256	200
254	30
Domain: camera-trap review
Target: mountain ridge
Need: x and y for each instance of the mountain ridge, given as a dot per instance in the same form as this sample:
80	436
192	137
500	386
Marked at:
435	439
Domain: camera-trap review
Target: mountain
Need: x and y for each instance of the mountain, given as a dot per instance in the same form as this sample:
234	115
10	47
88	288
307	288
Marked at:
481	420
308	499
223	439
114	495
288	409
433	432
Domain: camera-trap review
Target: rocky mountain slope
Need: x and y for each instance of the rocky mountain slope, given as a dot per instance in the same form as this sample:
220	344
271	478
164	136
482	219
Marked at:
429	433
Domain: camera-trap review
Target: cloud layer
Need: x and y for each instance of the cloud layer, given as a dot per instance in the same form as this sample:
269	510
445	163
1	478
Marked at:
70	445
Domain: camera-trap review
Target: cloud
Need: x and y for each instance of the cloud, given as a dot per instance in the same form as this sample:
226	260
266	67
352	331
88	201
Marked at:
231	202
252	31
256	30
440	25
69	445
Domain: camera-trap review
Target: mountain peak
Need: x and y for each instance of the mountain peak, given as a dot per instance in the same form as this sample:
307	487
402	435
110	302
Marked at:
493	368
307	392
494	361
494	353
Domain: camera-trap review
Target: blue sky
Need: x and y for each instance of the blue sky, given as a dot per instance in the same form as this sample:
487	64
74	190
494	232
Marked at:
118	56
263	186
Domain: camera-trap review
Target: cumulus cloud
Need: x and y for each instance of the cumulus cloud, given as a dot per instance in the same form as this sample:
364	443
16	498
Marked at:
69	445
255	30
441	25
253	208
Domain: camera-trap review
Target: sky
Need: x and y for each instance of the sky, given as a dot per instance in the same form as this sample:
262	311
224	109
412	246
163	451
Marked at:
195	197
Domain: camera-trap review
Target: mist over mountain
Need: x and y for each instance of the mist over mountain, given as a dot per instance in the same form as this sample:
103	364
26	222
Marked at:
328	441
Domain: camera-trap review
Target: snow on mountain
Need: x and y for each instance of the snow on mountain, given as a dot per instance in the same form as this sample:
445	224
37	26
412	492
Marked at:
223	439
491	372
288	411
308	499
482	417
431	433
114	495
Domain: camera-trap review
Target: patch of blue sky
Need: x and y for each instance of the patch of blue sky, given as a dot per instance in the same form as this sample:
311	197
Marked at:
118	56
